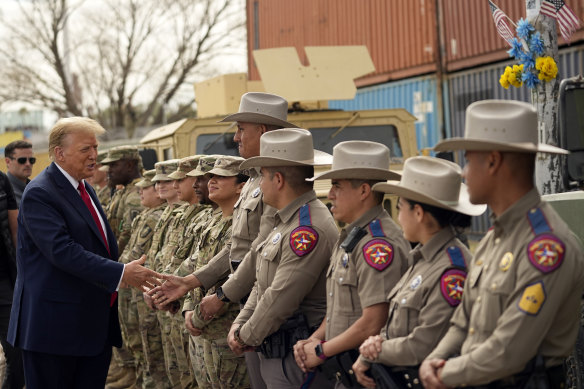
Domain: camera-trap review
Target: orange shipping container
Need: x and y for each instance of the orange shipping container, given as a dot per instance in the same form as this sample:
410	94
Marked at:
401	35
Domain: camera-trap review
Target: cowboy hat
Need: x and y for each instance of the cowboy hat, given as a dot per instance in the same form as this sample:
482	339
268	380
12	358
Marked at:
262	108
435	182
500	125
359	159
287	147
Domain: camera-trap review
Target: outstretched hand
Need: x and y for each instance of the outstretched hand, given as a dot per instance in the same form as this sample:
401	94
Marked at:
140	277
171	289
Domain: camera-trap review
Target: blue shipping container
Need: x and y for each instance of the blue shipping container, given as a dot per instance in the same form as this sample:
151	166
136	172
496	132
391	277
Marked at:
416	95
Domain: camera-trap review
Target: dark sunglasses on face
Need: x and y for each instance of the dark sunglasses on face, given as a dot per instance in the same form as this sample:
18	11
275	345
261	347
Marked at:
22	160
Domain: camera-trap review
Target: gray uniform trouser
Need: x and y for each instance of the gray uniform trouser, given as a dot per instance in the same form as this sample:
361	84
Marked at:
285	374
253	370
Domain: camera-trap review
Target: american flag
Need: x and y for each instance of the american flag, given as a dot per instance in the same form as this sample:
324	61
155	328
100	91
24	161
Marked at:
566	18
501	23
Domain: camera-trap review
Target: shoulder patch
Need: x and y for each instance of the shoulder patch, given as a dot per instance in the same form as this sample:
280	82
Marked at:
532	298
452	286
146	231
378	253
303	240
546	252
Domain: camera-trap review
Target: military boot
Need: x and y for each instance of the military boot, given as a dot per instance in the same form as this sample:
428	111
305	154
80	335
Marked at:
128	379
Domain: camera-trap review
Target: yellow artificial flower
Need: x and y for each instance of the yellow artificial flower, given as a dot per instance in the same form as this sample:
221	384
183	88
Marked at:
516	79
548	70
504	80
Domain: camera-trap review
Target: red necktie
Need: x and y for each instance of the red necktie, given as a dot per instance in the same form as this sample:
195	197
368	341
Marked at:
87	201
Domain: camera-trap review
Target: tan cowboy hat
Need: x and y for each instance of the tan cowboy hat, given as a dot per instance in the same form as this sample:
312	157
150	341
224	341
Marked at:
500	125
262	108
287	147
433	181
359	159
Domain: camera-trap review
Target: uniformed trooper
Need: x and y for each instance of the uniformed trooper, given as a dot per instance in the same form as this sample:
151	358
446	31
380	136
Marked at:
138	245
288	299
368	260
433	209
258	114
124	167
520	312
150	330
223	369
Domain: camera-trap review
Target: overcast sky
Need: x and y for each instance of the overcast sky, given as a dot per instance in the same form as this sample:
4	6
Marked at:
226	64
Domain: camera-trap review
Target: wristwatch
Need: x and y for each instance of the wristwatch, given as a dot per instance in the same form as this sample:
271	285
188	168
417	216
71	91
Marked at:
221	296
237	337
319	351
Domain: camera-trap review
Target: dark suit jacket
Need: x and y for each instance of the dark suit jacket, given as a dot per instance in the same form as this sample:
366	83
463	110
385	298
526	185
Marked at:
65	274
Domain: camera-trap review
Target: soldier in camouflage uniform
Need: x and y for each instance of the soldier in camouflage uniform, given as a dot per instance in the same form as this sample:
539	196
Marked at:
124	164
166	263
224	368
138	245
150	331
99	181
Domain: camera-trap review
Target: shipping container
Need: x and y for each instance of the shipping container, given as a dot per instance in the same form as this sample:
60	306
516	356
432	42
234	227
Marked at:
416	95
402	36
466	87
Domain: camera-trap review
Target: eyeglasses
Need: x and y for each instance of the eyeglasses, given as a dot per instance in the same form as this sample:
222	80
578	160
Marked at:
22	160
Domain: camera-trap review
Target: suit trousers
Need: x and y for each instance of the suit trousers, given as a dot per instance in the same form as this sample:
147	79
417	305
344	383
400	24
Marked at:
50	371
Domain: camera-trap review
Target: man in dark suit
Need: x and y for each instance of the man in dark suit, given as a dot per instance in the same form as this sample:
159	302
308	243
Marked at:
64	313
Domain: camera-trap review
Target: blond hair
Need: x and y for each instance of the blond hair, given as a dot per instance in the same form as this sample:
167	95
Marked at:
66	126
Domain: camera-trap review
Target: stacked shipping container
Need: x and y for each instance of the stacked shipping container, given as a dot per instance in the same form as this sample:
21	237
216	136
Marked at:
432	57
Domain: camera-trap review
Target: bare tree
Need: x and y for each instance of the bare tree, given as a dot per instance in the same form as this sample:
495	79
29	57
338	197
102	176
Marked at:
122	61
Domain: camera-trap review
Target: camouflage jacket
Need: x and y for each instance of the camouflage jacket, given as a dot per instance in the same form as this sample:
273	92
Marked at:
123	208
142	232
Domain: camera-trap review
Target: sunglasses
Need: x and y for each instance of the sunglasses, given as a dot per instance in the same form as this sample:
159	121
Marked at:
22	160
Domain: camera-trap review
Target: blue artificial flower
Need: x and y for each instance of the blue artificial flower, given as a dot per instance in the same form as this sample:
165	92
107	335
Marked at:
526	60
524	28
516	48
530	79
536	44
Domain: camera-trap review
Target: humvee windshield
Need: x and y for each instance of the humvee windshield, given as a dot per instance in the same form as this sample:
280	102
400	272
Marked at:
324	139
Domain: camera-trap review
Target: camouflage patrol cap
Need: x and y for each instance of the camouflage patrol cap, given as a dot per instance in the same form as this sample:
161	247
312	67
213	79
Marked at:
206	163
101	155
163	169
185	165
122	152
227	166
146	179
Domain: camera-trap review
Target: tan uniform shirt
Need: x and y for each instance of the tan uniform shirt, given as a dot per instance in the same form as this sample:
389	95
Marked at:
522	297
291	267
424	300
367	274
248	211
